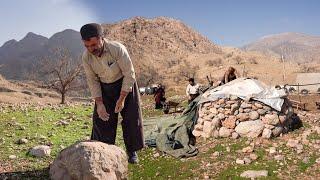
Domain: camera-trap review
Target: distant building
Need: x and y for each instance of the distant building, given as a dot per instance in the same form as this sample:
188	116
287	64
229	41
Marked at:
308	78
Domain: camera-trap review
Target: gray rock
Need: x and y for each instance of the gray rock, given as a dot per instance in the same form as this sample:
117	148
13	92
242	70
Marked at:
240	161
306	160
272	150
250	129
262	111
254	115
221	116
279	157
233	98
271	119
258	105
245	105
216	153
292	143
40	151
12	157
267	108
235	135
90	160
277	131
236	112
247	160
243	116
253	156
224	132
266	133
252	174
234	107
22	141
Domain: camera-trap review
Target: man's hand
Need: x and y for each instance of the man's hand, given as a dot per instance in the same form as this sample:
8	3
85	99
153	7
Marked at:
120	102
119	105
101	109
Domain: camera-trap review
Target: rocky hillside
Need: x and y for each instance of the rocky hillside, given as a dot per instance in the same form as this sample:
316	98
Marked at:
295	47
162	49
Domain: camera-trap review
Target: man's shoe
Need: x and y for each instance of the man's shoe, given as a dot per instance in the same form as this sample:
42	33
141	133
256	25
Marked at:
133	157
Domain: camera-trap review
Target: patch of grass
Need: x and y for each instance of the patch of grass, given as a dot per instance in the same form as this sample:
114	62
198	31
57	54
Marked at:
304	166
162	167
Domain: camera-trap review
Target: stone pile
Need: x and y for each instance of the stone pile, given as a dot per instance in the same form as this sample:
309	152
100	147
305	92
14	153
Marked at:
234	117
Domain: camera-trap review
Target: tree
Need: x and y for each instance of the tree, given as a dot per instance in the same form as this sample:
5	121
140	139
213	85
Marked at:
61	72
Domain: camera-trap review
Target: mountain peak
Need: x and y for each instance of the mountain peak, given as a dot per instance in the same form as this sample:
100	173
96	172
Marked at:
9	43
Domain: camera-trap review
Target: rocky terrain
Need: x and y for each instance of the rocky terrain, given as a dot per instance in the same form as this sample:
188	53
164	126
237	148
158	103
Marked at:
294	47
163	50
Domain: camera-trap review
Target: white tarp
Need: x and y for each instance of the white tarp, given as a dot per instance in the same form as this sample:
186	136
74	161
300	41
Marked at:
246	88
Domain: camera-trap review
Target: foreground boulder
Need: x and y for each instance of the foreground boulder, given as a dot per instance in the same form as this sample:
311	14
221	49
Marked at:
90	160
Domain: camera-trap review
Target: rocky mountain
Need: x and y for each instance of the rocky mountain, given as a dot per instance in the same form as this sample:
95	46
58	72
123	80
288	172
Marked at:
295	47
162	49
19	57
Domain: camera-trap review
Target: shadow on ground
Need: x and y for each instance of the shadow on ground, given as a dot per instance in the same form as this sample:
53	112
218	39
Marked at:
30	175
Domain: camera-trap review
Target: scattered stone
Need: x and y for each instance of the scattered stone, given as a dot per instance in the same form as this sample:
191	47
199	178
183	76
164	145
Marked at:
62	123
228	149
292	143
22	141
254	174
253	156
40	151
216	153
12	157
306	160
279	157
156	155
272	150
240	161
247	160
318	160
248	149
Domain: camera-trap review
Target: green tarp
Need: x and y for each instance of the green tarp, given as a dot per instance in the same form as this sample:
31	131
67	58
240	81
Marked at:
173	135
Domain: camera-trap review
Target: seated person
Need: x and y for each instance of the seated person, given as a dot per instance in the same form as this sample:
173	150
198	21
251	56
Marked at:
230	75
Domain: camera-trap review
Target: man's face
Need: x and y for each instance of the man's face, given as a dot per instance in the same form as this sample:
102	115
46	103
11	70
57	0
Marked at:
94	45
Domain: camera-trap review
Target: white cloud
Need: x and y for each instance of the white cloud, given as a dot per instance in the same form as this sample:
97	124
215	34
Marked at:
44	17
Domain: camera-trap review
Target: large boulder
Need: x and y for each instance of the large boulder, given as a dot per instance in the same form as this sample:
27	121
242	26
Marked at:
250	129
90	160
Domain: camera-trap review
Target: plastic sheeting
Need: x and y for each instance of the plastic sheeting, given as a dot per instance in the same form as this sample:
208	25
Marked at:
246	89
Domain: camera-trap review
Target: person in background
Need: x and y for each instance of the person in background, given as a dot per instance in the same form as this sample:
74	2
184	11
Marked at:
159	97
230	75
192	90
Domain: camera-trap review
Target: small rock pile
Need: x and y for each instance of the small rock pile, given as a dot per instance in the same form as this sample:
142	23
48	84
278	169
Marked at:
234	117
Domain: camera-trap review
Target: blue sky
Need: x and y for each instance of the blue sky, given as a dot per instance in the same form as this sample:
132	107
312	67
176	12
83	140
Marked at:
225	22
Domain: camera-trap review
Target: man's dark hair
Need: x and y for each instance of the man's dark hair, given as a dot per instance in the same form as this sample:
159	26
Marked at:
191	80
91	30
